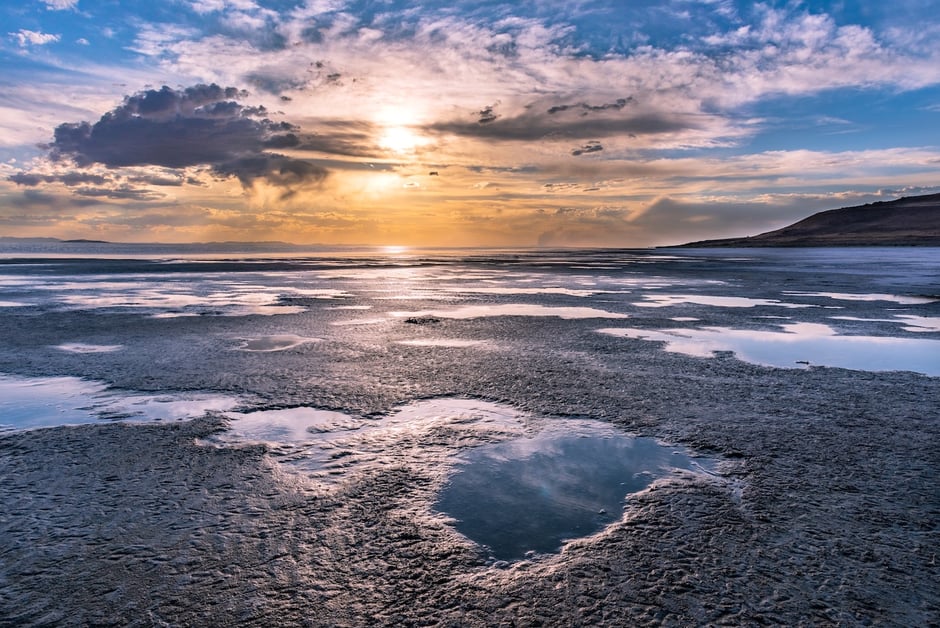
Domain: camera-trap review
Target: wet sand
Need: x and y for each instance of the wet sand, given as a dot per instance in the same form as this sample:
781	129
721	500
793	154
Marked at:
826	511
836	523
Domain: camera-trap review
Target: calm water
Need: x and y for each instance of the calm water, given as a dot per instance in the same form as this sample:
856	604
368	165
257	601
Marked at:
532	494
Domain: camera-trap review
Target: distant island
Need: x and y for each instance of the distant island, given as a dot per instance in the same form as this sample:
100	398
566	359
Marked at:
908	221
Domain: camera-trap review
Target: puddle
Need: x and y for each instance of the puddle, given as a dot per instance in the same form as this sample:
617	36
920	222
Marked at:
916	324
328	444
842	296
569	481
513	309
182	296
289	426
799	345
496	290
29	403
80	347
669	300
920	323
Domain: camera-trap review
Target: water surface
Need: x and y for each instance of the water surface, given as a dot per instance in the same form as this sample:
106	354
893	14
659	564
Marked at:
571	480
799	345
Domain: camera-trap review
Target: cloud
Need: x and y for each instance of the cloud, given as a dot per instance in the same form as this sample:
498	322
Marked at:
121	192
202	125
487	114
60	5
36	200
591	147
534	124
666	220
585	108
29	179
442	57
674	221
528	106
274	169
33	38
349	138
173	180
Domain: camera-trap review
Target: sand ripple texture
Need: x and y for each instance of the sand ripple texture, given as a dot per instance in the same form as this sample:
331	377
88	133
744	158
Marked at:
826	511
139	525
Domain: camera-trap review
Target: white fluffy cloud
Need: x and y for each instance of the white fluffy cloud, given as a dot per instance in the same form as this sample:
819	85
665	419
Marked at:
33	38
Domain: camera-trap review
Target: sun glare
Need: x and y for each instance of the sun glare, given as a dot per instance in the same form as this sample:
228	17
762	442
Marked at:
401	140
394	250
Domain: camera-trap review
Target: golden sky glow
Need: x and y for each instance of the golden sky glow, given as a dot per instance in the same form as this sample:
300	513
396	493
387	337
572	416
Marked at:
459	124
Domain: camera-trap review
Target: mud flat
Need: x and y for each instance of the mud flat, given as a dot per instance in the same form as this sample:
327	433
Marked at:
823	508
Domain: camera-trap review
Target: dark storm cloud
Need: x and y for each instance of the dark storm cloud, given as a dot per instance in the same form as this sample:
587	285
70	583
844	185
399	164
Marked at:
166	128
591	147
539	124
167	103
201	125
288	140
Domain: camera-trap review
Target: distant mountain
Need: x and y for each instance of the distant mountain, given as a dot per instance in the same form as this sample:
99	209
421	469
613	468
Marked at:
909	221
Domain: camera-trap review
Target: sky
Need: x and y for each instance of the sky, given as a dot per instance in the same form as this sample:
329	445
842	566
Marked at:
459	123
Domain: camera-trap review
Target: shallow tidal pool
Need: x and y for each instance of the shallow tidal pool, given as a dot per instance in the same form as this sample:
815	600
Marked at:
529	496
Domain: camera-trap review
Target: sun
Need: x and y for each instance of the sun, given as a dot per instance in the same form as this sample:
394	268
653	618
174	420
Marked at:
401	140
394	249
